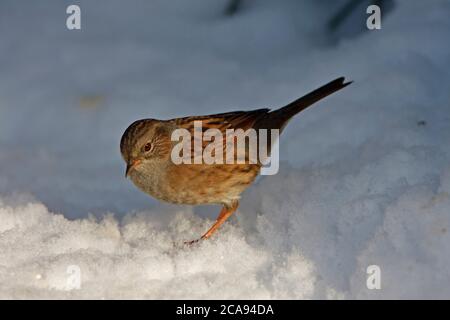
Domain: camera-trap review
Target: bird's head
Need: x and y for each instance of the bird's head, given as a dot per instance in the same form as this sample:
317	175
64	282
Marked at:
144	142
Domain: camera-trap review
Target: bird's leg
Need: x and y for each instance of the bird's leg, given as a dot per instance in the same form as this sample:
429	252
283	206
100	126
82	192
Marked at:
224	214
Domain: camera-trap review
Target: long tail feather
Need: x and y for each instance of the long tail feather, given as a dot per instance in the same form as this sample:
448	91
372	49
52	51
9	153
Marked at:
280	117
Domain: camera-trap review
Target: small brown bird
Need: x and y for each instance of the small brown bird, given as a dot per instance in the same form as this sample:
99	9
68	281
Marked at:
146	147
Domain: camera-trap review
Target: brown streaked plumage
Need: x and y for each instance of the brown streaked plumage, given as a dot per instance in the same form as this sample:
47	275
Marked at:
146	148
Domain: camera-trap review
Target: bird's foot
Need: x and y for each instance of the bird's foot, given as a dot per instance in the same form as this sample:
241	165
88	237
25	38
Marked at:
189	243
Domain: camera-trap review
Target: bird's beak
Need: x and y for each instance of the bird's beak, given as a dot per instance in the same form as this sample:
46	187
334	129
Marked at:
131	165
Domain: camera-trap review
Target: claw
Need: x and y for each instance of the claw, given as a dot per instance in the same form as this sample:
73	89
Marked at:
189	243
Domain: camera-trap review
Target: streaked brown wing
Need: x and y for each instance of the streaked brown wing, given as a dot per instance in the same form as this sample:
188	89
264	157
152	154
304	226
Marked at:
231	120
222	121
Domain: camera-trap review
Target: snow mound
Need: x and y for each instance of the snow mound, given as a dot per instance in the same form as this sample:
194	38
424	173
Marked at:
137	259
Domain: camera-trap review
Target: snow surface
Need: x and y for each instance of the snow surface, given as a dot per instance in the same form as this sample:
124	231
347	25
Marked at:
365	177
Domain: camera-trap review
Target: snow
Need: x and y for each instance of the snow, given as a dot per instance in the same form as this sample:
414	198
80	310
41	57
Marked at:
364	179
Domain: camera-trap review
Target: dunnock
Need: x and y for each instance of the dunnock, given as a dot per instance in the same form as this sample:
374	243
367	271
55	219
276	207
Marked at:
146	147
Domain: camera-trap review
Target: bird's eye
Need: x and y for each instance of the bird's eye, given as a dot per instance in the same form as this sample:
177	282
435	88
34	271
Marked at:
148	147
